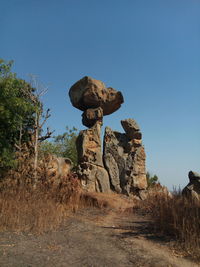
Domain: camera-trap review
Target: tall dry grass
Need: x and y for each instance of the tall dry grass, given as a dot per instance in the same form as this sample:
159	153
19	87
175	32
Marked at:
23	208
178	217
26	206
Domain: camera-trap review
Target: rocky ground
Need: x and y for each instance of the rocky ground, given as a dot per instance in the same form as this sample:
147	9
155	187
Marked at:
92	237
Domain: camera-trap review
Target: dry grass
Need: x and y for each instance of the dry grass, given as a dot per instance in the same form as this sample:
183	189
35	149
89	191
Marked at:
107	200
177	217
23	208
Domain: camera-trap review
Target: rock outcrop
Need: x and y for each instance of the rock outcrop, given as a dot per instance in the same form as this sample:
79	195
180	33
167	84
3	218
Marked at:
91	170
89	93
192	189
95	100
121	168
56	167
124	159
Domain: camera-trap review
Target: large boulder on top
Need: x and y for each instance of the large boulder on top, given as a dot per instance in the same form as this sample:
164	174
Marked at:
90	93
192	189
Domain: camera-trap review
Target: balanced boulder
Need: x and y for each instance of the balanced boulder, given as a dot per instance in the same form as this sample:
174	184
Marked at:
90	93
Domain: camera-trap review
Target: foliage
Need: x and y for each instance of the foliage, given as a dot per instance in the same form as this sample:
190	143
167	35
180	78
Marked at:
151	180
62	145
16	113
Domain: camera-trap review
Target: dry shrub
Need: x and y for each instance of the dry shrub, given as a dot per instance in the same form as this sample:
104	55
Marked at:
23	208
178	217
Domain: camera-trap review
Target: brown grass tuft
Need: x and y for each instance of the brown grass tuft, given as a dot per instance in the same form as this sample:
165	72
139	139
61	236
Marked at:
23	208
177	217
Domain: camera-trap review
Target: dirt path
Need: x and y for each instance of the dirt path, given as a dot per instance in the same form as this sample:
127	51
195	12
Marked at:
90	238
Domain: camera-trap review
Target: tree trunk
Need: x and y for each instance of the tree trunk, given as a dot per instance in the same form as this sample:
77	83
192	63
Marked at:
36	137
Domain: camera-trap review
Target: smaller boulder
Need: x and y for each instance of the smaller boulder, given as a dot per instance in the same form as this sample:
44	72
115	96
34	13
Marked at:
131	129
91	116
192	189
193	176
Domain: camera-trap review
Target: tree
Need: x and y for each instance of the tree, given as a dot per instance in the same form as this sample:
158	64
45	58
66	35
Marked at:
21	117
39	121
151	180
16	114
63	145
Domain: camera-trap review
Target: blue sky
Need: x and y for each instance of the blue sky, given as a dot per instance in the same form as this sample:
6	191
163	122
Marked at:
149	50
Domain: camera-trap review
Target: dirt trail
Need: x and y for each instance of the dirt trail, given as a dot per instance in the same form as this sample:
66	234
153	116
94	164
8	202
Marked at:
90	238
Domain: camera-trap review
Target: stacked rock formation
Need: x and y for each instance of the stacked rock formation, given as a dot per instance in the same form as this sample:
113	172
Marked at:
92	97
121	168
192	189
124	159
95	100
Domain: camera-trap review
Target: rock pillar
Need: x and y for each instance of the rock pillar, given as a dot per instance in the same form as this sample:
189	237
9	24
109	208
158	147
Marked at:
124	159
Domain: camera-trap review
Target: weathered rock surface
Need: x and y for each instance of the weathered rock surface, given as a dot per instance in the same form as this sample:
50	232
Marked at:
131	129
124	159
122	166
91	116
91	170
55	167
192	189
90	93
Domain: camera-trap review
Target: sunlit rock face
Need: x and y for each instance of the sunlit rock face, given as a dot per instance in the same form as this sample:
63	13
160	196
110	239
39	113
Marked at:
91	169
89	93
124	158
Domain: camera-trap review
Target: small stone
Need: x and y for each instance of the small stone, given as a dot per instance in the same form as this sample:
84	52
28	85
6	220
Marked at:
131	129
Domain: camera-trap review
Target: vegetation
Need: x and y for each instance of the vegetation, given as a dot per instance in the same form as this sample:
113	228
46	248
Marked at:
16	114
24	209
62	145
176	217
22	204
152	180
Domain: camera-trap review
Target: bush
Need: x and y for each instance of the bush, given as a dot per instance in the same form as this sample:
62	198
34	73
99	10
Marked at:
151	180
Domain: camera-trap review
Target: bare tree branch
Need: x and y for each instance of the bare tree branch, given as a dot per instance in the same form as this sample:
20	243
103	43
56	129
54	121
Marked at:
47	115
46	136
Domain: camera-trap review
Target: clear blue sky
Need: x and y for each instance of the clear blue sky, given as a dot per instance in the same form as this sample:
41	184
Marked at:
149	50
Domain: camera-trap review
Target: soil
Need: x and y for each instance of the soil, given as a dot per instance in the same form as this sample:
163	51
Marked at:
92	237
